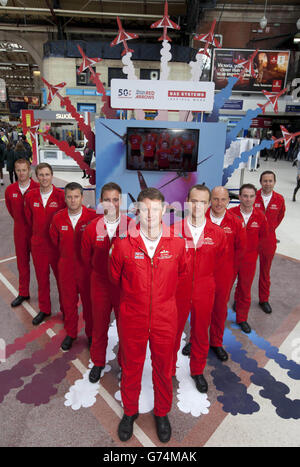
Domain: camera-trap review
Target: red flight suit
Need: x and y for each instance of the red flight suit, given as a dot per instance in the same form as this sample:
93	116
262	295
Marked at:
15	205
44	254
235	233
149	149
196	292
73	275
105	296
147	313
274	214
257	231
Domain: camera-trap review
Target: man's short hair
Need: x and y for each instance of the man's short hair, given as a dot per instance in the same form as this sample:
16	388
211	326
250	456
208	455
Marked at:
109	187
220	187
249	186
267	172
73	186
43	165
22	161
151	193
199	187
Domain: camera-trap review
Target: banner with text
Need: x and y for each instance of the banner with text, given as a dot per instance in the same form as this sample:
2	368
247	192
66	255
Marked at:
162	95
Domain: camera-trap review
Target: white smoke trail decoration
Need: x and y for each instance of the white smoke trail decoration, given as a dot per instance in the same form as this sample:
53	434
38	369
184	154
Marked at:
128	68
166	56
189	400
83	393
197	66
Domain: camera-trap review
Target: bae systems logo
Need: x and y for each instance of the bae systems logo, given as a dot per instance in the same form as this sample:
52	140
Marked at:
193	95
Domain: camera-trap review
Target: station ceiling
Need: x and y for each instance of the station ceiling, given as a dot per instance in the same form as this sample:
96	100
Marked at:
96	19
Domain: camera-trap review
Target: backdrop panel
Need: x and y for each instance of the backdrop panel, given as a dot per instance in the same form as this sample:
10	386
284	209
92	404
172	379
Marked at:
111	159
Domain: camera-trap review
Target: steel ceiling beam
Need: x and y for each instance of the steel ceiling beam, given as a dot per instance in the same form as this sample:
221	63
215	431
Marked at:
75	13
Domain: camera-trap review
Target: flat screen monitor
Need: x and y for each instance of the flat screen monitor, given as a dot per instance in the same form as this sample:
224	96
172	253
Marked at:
162	149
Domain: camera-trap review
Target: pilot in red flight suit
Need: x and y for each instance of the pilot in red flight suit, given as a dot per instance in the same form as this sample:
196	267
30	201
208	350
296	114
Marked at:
149	147
147	264
97	239
163	155
135	144
273	206
235	232
176	152
14	199
257	232
188	149
206	247
40	205
66	232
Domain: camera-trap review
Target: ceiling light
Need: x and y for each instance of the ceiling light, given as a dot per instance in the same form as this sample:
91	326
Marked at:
263	22
297	38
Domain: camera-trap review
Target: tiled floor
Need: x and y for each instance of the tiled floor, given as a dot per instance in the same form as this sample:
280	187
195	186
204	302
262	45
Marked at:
253	399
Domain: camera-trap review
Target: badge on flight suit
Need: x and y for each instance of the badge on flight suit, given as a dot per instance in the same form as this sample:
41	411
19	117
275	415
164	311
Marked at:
139	255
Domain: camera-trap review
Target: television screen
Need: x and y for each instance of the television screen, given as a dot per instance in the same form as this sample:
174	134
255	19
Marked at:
162	149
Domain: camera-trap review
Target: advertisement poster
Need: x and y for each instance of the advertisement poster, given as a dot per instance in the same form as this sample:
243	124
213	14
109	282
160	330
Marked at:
270	69
28	120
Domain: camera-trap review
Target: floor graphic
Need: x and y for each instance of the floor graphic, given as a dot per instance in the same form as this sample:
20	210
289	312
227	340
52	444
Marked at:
48	367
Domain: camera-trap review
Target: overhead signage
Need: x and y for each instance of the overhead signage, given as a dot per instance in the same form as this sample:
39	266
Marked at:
61	116
52	115
232	104
261	122
162	95
292	108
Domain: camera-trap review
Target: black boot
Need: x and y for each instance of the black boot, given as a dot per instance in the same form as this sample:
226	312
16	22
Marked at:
125	429
245	327
67	343
19	300
95	373
201	383
186	351
220	353
39	318
266	307
163	428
